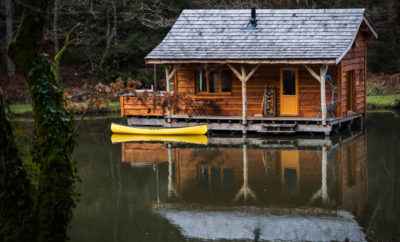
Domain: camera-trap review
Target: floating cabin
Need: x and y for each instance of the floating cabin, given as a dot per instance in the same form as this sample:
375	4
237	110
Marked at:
259	70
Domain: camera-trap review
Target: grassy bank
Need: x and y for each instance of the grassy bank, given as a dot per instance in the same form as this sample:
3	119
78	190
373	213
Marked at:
384	101
21	109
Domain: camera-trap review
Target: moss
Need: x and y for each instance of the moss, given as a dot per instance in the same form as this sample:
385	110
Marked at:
52	150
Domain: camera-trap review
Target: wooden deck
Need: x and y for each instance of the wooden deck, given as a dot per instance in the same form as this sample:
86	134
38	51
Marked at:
261	125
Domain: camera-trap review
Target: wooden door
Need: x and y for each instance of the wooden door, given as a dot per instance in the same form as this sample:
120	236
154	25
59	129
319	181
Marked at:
289	101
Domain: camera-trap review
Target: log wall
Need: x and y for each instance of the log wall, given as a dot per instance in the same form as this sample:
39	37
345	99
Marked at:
355	62
266	75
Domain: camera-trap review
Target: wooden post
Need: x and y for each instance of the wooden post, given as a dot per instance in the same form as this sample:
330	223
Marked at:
169	74
122	105
154	78
167	79
244	97
243	77
322	72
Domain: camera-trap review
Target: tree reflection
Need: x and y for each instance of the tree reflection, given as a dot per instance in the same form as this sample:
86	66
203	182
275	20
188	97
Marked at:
16	202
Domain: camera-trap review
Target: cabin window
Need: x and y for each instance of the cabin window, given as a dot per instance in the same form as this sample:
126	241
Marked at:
201	85
226	81
213	82
289	82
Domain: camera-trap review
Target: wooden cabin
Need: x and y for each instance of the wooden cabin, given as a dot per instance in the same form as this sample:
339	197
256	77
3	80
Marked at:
261	70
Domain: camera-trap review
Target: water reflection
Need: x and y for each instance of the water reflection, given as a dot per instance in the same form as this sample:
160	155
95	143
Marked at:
293	189
166	191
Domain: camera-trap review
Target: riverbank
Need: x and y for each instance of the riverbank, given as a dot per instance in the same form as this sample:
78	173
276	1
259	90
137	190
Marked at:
383	102
26	109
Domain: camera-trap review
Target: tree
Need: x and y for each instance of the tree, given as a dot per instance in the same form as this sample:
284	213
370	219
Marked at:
9	14
53	141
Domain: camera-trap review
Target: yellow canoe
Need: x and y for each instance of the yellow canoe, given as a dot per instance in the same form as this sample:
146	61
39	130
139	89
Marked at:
193	130
189	139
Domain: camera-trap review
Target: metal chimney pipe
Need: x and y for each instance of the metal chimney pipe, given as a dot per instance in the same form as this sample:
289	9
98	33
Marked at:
253	19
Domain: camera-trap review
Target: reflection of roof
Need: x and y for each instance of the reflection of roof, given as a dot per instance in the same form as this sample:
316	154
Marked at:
213	225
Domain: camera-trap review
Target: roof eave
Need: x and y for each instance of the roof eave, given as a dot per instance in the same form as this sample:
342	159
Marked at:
374	33
239	61
370	27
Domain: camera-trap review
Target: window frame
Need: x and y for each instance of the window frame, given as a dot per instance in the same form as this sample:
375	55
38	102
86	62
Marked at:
218	82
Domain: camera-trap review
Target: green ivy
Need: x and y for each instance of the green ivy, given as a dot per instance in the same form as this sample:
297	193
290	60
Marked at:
52	150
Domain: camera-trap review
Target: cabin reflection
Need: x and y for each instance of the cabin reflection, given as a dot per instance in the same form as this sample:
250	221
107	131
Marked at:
323	174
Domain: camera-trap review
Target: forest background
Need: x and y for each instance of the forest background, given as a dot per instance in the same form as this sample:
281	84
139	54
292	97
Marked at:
109	39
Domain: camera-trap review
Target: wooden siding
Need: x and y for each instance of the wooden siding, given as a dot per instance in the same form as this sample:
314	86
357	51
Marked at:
230	104
141	106
354	61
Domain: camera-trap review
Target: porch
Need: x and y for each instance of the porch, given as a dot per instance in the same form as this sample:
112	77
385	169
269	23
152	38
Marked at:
261	125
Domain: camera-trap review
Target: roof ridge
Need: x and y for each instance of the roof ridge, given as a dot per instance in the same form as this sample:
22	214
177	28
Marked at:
273	9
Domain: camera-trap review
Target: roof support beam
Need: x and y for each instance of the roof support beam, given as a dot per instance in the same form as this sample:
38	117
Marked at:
169	74
236	72
321	78
244	76
312	72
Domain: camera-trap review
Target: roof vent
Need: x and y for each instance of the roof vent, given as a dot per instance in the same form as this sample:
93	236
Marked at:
253	19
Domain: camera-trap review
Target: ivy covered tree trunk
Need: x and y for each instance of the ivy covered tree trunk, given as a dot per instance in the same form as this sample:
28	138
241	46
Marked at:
16	201
52	150
53	141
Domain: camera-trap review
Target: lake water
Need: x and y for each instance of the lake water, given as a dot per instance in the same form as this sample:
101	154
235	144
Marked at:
289	189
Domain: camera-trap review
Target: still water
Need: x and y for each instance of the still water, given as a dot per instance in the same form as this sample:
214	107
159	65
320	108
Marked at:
230	189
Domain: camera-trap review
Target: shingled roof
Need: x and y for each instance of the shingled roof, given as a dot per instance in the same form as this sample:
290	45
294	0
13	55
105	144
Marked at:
285	35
